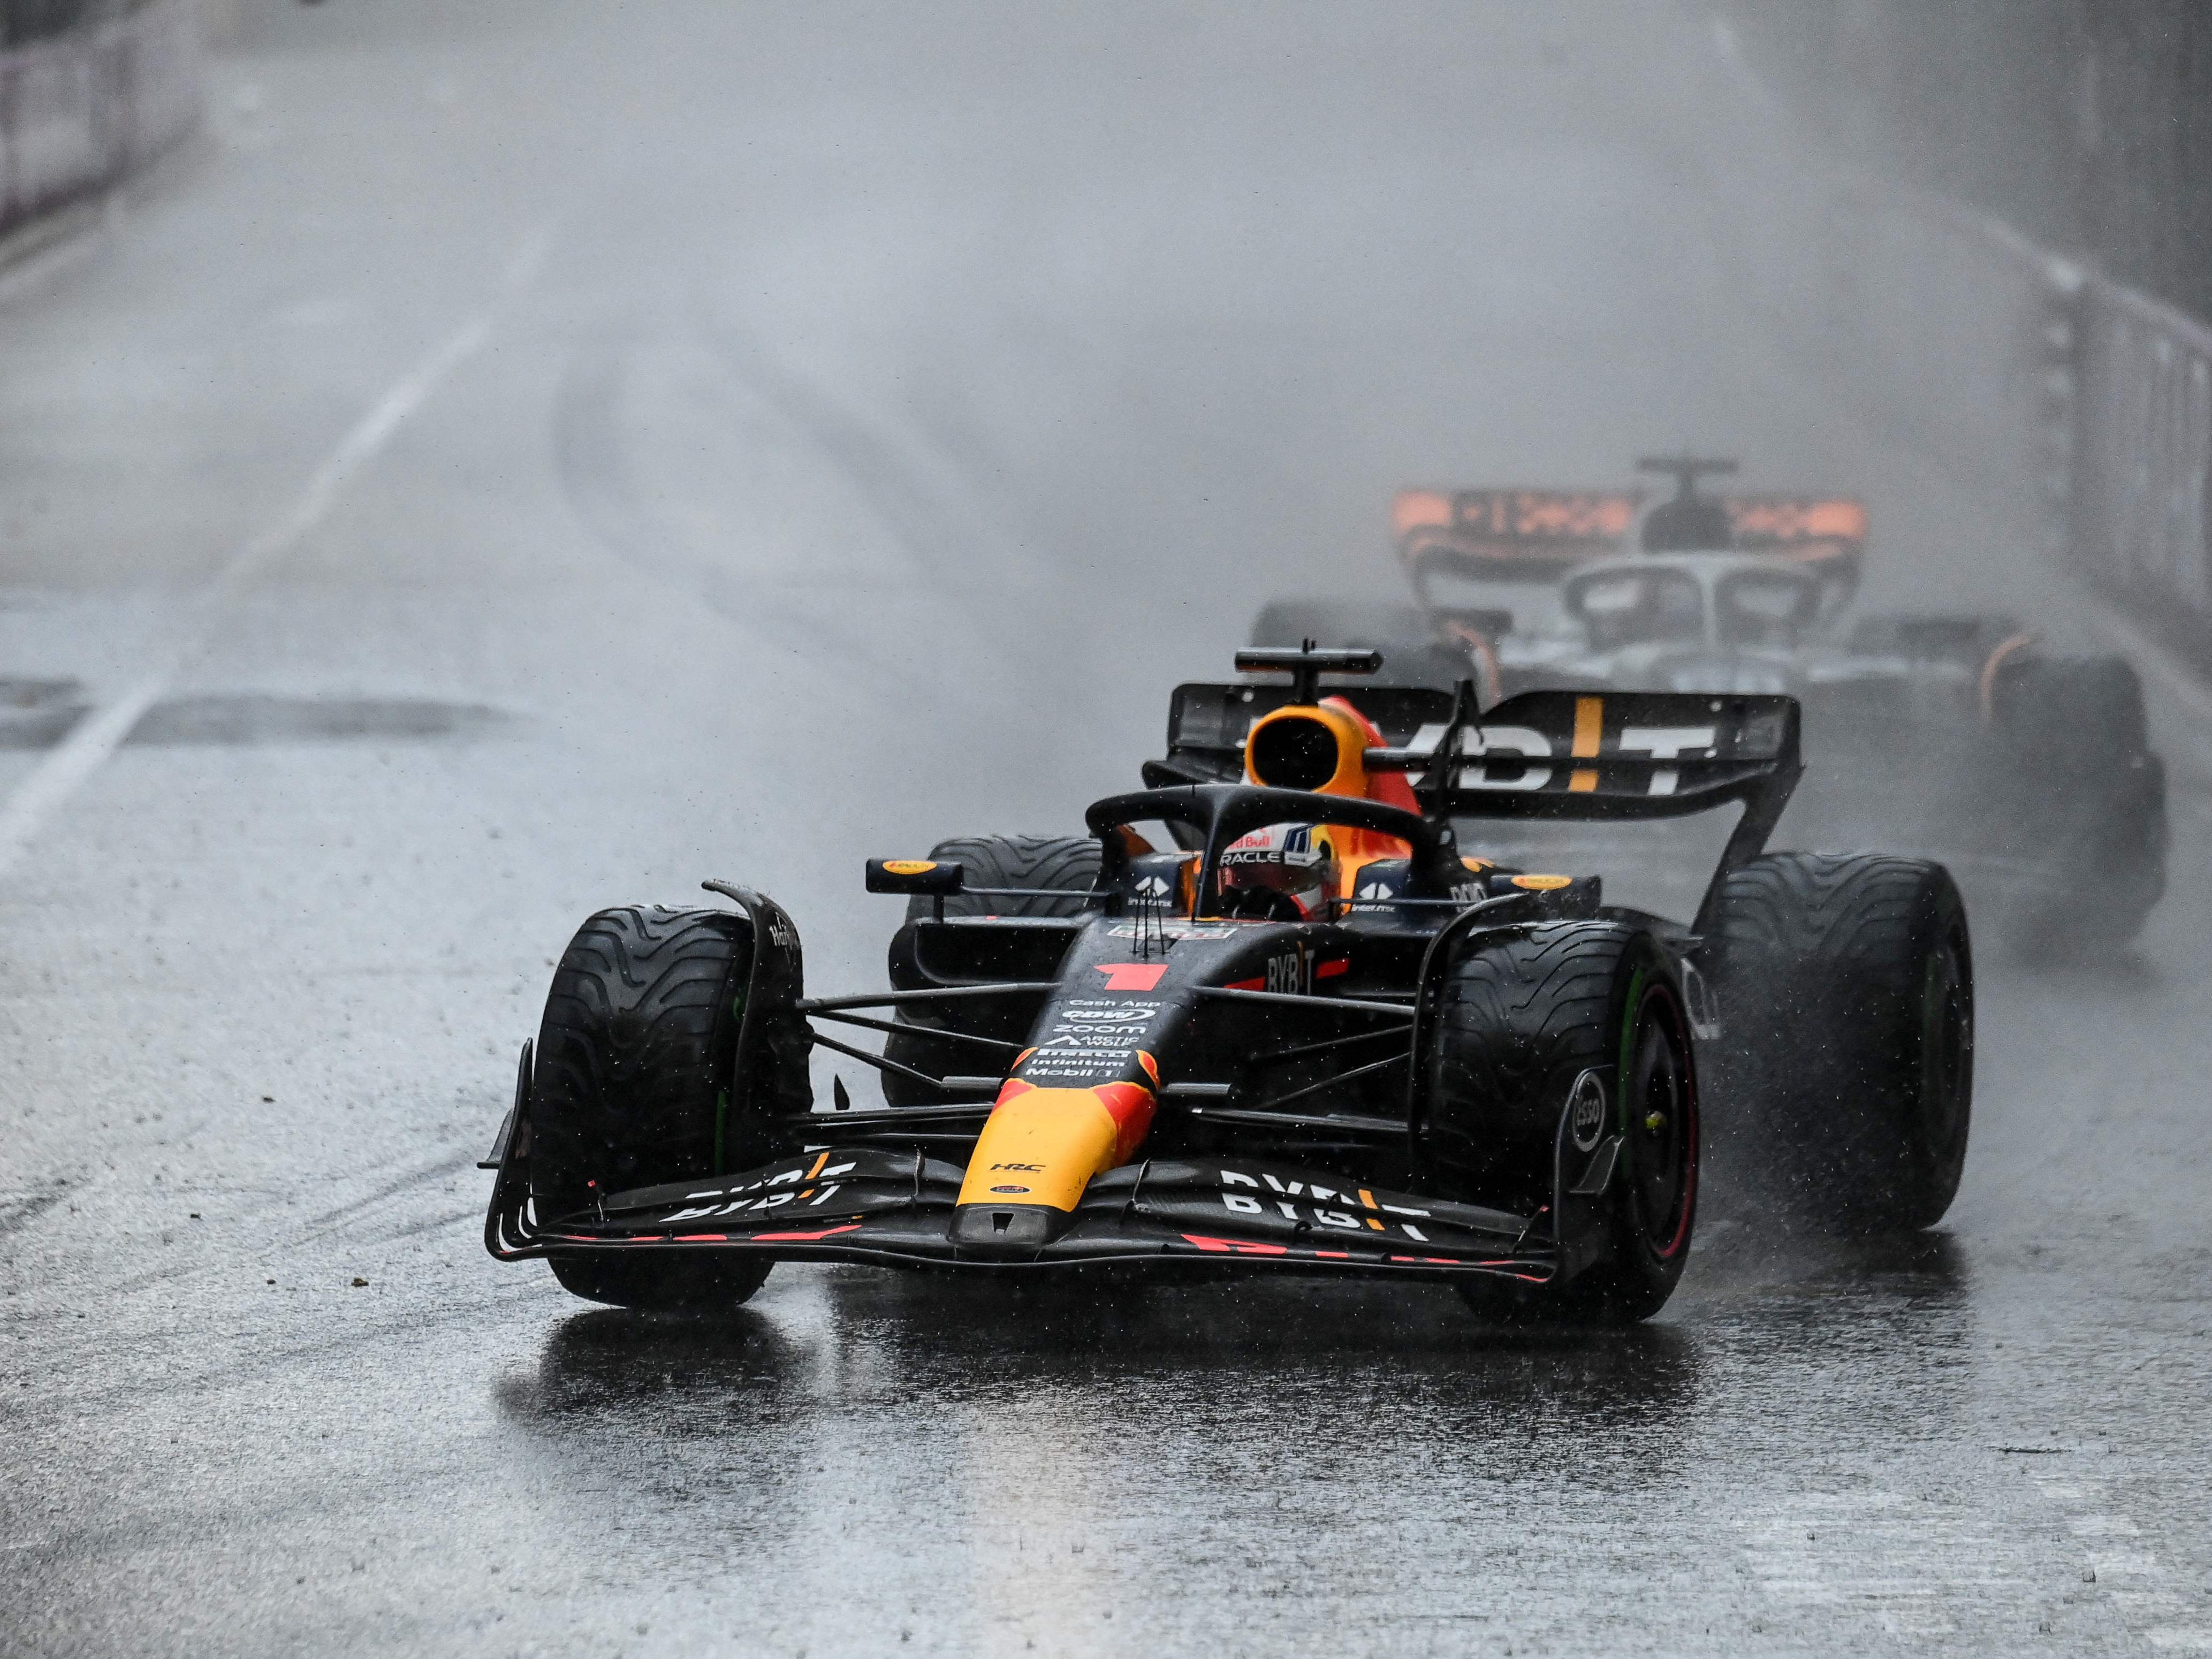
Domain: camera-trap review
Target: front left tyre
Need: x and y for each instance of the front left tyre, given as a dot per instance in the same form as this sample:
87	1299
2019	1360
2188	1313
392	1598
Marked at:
632	1087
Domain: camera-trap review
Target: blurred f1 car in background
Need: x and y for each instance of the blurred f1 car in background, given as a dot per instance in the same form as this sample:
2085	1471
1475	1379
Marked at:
1296	1027
1959	736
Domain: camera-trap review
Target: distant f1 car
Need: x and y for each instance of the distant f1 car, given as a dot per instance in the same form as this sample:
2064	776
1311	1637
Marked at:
1296	1027
1957	735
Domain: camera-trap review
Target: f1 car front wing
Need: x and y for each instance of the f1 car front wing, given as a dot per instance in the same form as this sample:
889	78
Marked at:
863	1204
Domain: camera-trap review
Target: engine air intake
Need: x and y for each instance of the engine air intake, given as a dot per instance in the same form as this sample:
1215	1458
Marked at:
1293	751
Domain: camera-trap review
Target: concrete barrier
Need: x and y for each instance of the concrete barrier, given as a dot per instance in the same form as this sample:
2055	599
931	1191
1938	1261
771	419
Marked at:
80	110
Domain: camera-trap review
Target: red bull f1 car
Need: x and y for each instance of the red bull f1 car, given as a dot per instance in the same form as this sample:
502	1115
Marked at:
1270	1014
1965	737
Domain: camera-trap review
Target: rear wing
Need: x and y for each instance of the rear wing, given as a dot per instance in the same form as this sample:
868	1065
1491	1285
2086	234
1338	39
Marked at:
1562	756
1541	754
1810	528
1512	534
1524	534
1826	535
1627	756
1618	755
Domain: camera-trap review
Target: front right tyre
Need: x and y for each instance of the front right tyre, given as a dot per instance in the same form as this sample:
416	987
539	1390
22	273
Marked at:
1524	1017
1023	876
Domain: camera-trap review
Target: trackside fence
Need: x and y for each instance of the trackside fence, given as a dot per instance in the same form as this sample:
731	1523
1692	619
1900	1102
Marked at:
2080	407
82	110
2143	457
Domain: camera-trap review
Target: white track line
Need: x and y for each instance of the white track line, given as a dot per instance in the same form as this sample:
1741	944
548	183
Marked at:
100	733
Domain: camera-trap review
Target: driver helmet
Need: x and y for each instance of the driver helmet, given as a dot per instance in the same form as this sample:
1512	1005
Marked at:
1285	872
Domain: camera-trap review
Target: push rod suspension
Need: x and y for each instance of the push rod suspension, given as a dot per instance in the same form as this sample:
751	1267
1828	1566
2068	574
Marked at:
1292	999
1332	1082
844	1018
903	998
946	1084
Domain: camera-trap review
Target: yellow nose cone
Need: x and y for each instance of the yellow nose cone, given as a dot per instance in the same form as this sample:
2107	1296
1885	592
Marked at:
1042	1147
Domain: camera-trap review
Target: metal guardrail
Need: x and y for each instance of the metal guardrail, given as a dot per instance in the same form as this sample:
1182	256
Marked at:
2143	459
82	110
2078	405
2088	402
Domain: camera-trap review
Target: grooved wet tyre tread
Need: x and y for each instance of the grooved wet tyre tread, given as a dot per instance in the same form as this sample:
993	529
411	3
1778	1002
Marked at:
1520	1017
1031	863
632	1060
1823	964
1517	1020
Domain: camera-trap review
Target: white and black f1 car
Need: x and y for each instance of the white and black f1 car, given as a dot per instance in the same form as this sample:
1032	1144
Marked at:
1965	736
1269	1014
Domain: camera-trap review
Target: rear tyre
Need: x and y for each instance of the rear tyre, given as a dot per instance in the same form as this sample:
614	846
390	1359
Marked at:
1520	1019
2091	798
1847	993
632	1088
1046	870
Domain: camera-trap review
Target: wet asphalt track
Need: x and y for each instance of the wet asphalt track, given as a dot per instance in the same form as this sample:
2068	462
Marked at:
658	443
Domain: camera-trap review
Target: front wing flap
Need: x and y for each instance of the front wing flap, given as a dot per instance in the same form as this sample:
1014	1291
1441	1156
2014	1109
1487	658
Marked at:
860	1203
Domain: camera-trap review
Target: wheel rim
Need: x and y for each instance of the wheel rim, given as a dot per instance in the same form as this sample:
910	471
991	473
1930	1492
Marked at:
1661	1103
1946	1047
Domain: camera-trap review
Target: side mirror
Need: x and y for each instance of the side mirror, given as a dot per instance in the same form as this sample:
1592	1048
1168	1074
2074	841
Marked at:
937	877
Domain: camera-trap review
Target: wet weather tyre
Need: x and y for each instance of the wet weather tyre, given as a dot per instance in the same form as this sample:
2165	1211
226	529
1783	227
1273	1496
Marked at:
661	1282
1846	991
1520	1019
631	1089
1046	870
2089	795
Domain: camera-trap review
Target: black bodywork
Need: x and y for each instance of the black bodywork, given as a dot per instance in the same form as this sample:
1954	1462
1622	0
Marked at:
1287	1064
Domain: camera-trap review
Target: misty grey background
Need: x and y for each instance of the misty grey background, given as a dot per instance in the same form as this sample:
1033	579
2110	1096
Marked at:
879	408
